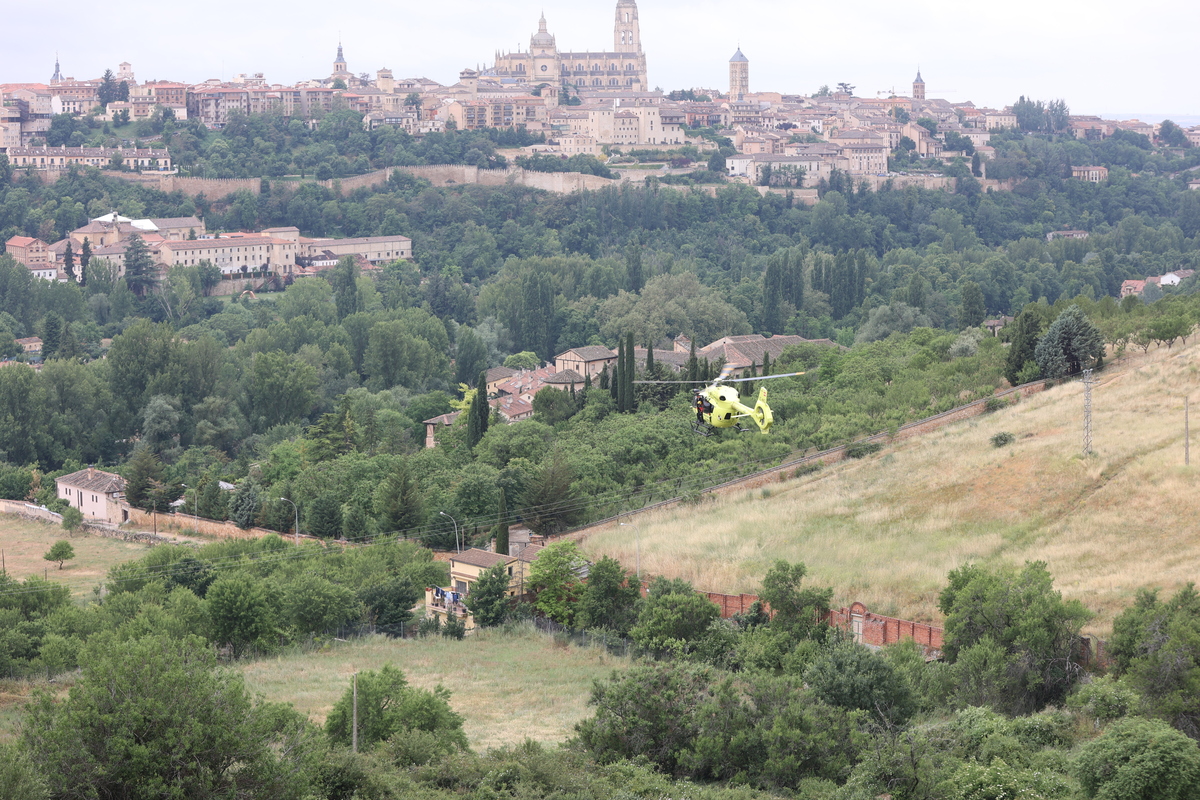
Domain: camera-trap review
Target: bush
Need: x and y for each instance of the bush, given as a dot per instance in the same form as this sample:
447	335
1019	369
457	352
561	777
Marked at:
863	449
995	404
807	469
1002	439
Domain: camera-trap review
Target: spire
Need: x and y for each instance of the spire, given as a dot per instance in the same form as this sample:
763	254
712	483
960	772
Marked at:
57	71
918	78
340	57
542	23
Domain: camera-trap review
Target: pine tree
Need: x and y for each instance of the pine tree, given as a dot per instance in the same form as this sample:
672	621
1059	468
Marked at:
139	266
398	502
68	346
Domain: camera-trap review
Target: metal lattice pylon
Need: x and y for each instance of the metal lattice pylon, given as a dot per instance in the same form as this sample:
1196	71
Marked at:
1087	413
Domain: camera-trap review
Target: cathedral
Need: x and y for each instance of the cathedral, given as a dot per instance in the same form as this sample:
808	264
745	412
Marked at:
621	69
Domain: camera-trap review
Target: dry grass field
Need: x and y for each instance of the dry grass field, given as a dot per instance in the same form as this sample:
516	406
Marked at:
508	687
885	530
24	542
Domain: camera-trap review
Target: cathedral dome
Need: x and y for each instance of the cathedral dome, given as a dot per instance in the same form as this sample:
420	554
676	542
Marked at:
542	38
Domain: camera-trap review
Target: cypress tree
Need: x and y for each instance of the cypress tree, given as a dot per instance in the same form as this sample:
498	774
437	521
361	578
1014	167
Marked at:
85	258
650	358
502	528
604	381
69	262
477	413
693	365
766	363
619	392
630	400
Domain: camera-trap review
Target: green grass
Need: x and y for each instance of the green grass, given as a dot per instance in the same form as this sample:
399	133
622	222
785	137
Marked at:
507	686
24	542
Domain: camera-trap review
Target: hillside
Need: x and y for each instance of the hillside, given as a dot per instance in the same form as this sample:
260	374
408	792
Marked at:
885	530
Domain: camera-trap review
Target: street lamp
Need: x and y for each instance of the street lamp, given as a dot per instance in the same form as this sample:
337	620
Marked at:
297	510
638	542
452	519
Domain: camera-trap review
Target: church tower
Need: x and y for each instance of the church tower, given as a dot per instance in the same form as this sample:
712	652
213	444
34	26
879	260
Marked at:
739	76
627	37
918	87
339	63
57	79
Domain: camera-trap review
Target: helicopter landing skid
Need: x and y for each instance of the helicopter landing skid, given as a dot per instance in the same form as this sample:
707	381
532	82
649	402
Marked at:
702	428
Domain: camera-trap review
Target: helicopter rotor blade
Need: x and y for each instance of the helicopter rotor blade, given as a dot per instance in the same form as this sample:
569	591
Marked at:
702	383
765	377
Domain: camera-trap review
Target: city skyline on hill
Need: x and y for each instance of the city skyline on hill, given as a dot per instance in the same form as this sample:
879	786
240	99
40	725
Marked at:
1097	62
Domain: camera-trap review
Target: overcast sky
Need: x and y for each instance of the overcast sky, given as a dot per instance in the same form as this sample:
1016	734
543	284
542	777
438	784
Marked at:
1104	57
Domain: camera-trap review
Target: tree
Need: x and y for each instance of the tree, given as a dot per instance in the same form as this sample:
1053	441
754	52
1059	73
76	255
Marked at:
471	358
799	611
387	705
488	599
1008	630
52	327
553	405
143	468
1071	344
60	551
850	676
501	545
673	621
69	262
973	308
344	278
85	259
324	516
1027	329
152	717
556	577
845	88
244	503
140	276
1156	647
399	502
72	519
241	611
108	91
1140	759
1172	135
478	412
522	360
609	599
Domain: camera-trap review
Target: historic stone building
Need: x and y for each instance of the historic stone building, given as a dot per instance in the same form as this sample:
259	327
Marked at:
621	69
918	92
739	76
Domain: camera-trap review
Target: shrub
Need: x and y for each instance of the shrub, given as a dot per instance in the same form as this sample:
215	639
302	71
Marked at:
862	449
996	403
1002	439
807	469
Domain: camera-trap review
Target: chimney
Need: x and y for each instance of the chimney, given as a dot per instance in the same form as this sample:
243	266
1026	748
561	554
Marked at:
91	472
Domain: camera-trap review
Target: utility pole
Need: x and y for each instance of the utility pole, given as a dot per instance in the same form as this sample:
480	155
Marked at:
354	734
1187	436
1087	413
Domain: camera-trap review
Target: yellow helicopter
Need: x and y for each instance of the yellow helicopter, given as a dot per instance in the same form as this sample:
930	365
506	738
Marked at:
717	405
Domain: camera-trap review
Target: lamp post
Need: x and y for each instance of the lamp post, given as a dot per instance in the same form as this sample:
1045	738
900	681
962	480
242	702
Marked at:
638	543
457	547
297	510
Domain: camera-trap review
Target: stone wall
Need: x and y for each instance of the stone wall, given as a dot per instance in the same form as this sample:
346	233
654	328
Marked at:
29	511
205	527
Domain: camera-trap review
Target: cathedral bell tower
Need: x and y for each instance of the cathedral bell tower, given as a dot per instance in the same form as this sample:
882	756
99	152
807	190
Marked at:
627	38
